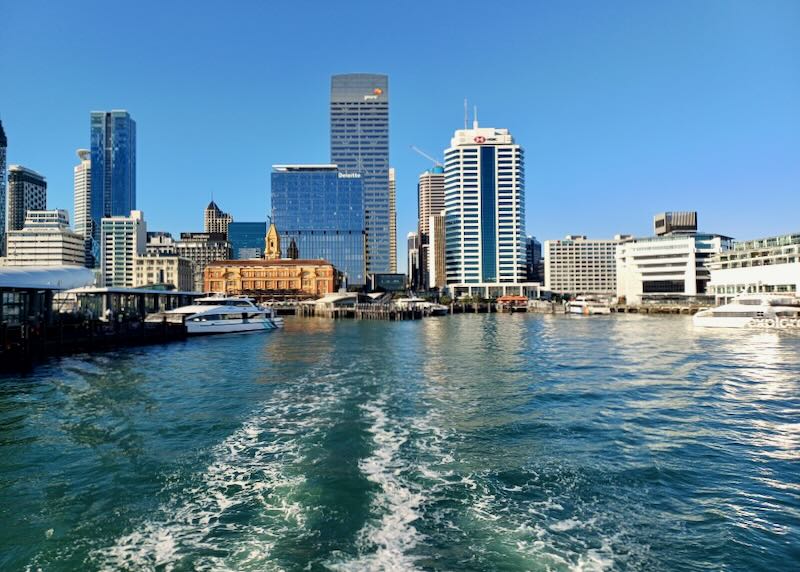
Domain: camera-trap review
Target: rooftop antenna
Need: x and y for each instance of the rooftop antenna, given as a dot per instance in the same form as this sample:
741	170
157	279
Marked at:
475	118
465	113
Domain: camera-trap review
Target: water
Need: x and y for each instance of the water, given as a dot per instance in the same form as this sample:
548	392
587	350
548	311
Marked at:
476	442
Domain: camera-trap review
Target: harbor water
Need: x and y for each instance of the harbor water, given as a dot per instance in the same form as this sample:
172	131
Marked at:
470	442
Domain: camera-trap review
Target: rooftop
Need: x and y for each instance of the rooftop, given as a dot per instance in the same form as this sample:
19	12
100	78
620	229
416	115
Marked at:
265	262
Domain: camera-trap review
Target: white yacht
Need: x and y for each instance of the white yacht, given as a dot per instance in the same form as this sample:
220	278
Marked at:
432	308
221	315
587	306
763	311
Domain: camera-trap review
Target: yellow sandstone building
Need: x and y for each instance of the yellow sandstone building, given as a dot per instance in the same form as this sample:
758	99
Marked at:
271	278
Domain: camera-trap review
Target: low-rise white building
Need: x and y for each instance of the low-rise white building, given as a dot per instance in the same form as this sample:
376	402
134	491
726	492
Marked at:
579	265
670	267
152	269
45	240
123	239
763	265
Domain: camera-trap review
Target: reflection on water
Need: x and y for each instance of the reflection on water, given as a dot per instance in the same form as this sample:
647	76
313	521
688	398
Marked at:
473	442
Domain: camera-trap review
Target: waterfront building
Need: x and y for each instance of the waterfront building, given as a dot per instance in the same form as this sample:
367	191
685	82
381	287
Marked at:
276	278
113	168
247	239
162	269
763	265
215	220
160	243
27	190
435	254
392	221
45	240
123	239
412	241
321	208
484	178
675	223
534	262
666	268
430	201
202	248
360	144
82	188
579	265
3	166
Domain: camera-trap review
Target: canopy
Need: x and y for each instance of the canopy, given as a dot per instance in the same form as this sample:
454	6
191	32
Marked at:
45	277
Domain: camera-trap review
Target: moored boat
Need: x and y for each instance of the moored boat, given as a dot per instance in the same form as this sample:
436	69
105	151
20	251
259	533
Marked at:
221	315
760	311
587	306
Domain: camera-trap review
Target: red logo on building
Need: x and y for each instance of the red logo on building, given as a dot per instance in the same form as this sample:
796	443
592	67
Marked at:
479	139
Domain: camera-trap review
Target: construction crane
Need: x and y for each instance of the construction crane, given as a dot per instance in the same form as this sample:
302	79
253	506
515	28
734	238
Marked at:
436	162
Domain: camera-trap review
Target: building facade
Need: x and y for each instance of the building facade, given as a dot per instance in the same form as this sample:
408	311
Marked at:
215	220
534	261
45	240
82	198
666	268
412	252
160	269
675	223
430	201
247	239
392	221
578	265
160	243
3	175
285	278
764	265
27	190
321	208
437	270
202	248
113	168
484	178
123	239
360	144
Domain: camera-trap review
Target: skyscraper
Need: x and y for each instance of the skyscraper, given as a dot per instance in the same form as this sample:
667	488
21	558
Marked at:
322	209
27	191
215	220
247	239
113	168
430	202
484	212
412	249
392	221
3	147
82	183
360	143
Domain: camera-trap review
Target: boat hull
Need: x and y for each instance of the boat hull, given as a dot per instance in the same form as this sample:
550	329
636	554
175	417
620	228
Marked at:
231	326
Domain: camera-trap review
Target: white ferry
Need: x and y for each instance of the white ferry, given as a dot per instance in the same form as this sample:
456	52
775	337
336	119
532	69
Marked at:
587	306
432	308
762	311
221	315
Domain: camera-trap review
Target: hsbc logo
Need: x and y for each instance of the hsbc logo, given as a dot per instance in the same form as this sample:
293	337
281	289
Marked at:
480	139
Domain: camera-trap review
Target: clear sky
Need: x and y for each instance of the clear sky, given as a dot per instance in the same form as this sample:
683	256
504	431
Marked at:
624	108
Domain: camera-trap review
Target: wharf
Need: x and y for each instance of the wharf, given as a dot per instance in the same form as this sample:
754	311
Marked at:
658	309
23	345
360	312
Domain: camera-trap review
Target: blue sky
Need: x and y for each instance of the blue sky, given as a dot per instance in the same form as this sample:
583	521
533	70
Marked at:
624	108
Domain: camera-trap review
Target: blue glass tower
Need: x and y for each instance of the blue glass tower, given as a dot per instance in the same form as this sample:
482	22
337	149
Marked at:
247	239
322	210
113	156
360	143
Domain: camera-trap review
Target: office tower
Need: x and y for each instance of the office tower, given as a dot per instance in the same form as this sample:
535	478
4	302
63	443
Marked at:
322	210
45	240
216	220
82	213
113	168
123	239
392	221
578	265
485	212
27	190
675	222
437	271
202	248
3	149
247	239
360	143
412	248
160	242
534	266
430	201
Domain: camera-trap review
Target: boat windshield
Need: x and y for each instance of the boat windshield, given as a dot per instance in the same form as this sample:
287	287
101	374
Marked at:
225	302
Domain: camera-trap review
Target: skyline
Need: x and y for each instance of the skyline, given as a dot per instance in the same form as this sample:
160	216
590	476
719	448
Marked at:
624	113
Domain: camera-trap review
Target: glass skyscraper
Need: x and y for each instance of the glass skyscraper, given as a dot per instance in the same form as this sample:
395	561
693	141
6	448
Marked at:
322	209
360	143
3	146
247	239
113	167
